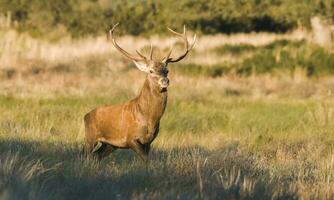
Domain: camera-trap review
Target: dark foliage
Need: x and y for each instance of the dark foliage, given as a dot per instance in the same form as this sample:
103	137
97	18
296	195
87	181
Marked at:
89	17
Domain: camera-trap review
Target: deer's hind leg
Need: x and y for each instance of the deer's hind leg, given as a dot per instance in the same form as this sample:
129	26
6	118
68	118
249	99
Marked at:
90	135
104	150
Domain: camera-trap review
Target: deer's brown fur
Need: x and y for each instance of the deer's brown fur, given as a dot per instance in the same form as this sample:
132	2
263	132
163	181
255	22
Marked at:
134	124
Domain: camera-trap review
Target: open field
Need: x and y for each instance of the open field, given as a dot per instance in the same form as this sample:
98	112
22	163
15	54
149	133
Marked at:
226	133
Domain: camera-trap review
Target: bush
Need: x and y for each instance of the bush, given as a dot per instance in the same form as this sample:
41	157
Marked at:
235	49
281	55
199	70
89	17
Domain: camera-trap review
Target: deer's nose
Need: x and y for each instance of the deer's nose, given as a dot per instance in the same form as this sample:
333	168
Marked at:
164	82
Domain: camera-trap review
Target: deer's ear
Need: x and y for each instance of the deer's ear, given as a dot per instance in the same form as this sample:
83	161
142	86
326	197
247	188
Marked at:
142	66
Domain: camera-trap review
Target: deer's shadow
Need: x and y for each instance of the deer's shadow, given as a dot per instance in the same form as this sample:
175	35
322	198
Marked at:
59	171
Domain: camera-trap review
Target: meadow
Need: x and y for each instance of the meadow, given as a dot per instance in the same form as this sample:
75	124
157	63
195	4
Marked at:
249	116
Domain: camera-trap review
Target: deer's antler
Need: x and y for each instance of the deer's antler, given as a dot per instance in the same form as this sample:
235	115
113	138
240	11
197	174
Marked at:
188	46
125	53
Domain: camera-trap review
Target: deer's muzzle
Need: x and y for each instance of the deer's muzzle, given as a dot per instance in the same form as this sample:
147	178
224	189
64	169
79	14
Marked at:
163	82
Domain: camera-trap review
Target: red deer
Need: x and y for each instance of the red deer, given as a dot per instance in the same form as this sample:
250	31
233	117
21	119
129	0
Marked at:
134	124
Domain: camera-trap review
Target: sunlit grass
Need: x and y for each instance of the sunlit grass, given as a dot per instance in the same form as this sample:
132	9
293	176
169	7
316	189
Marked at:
223	136
247	142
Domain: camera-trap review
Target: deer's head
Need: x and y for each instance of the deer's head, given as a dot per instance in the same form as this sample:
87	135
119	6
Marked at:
157	70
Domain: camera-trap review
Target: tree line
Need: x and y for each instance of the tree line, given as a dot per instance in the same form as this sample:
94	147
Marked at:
93	17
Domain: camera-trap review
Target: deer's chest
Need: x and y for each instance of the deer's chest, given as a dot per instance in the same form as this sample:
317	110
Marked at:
149	133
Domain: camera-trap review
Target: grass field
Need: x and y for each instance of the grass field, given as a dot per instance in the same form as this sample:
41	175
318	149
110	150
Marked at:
223	136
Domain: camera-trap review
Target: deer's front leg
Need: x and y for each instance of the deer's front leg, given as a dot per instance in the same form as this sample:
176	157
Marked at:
146	148
138	148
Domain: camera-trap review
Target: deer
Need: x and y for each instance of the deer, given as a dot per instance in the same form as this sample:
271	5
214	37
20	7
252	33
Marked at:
135	124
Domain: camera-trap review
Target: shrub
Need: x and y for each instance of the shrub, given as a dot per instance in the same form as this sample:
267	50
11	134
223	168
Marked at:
89	17
287	56
200	70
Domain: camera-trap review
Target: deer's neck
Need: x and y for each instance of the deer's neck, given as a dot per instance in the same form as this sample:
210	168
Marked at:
152	101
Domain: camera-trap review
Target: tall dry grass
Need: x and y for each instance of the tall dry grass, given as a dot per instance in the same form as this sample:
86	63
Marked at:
17	47
256	137
26	62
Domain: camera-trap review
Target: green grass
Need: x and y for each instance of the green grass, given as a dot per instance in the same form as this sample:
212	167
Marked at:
263	149
220	138
178	173
231	137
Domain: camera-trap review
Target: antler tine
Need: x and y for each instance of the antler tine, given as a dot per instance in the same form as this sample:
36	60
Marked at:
151	52
193	43
176	33
144	57
168	55
141	55
185	36
186	43
125	53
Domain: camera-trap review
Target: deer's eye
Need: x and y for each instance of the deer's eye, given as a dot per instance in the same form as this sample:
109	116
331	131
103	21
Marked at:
151	71
165	71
